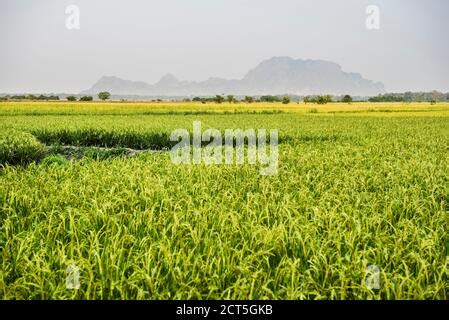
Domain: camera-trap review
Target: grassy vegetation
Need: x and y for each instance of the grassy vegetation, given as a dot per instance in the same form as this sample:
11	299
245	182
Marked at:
354	188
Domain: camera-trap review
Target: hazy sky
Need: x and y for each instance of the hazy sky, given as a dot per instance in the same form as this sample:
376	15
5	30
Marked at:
198	39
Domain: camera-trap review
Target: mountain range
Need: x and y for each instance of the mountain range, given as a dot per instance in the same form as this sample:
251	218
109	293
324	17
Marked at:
278	75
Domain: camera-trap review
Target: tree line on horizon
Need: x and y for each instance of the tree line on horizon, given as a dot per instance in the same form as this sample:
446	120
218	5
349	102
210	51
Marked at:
432	97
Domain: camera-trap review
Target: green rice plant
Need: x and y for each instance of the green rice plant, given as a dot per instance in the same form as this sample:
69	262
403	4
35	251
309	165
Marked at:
353	190
103	138
54	160
100	154
18	147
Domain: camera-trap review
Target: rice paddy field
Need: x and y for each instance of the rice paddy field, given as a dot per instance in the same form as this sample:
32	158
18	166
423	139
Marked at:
92	186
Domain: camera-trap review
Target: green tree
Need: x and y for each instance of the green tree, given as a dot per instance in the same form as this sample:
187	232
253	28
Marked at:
71	98
285	100
306	99
249	99
86	98
230	98
219	99
347	99
323	99
104	95
270	98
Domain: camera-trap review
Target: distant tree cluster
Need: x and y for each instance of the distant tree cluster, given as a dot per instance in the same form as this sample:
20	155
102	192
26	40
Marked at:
318	99
31	97
269	98
246	99
230	98
387	98
101	95
432	97
272	98
216	99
